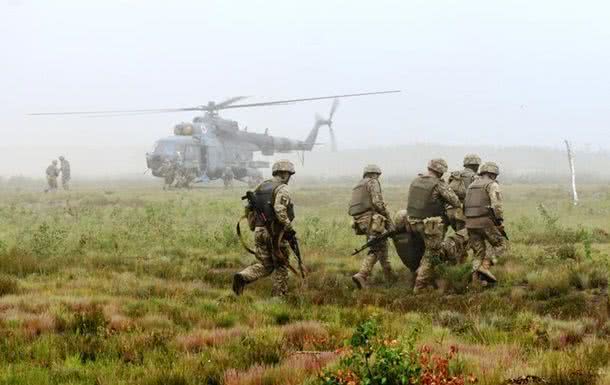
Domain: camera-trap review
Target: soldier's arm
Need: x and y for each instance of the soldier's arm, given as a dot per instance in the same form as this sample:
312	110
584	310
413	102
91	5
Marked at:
374	188
495	197
280	207
448	195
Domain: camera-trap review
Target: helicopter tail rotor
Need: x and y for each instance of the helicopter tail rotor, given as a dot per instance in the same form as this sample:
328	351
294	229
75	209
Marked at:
329	123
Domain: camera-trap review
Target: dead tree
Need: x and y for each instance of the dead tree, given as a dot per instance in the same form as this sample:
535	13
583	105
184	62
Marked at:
573	172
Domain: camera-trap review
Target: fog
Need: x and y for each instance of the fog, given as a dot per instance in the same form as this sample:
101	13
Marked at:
475	75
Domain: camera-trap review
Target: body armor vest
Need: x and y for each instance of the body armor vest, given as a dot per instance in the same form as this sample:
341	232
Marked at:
264	196
361	199
477	200
459	182
421	203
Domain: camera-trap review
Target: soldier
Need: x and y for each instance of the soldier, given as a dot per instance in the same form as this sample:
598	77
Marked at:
227	177
274	200
484	217
459	182
429	195
168	170
371	218
65	173
52	174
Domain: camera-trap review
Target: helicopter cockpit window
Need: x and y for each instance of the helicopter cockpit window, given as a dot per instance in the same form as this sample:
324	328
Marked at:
163	147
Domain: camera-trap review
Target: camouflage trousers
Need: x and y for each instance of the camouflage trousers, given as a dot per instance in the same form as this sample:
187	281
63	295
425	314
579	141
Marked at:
376	253
478	241
65	182
431	230
52	183
456	220
268	263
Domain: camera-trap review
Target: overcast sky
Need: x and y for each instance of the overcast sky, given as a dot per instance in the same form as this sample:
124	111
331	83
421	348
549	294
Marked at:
501	72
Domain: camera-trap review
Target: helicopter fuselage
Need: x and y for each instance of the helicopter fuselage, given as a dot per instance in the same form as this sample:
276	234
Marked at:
210	144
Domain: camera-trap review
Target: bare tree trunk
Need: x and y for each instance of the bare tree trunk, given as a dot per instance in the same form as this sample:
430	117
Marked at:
571	159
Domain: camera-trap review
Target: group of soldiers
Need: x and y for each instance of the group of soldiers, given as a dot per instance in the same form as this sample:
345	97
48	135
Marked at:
470	202
53	172
176	174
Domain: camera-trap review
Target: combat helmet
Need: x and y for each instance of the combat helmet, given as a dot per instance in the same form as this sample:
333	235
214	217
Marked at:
61	157
283	165
371	169
439	165
472	160
489	167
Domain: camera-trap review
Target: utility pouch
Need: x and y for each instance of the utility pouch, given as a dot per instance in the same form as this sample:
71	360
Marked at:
433	227
378	224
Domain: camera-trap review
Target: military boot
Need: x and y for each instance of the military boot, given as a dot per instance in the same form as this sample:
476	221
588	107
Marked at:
359	281
238	284
481	275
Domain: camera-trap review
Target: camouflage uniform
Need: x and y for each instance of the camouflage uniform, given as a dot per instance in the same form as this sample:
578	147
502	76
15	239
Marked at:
459	182
410	249
227	177
168	170
65	173
428	197
272	260
371	218
52	174
484	194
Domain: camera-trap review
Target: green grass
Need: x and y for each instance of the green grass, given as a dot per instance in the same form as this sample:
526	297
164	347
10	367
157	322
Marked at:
133	287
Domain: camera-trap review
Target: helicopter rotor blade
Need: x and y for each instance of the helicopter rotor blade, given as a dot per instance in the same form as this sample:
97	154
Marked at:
230	101
115	112
288	101
211	107
333	108
333	139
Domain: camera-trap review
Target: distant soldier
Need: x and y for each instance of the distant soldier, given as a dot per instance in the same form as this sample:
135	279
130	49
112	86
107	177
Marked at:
484	218
227	177
459	182
168	171
428	197
275	205
65	173
52	174
371	218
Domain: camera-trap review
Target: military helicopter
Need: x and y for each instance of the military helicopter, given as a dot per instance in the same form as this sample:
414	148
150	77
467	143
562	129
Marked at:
210	144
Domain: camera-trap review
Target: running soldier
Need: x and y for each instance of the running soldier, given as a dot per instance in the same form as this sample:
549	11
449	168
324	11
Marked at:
371	218
484	221
65	173
459	182
272	219
429	195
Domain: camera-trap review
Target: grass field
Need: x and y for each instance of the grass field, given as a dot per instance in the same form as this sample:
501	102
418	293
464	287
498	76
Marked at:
132	286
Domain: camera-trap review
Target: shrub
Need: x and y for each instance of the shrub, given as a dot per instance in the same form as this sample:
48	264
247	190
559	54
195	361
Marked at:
372	360
8	285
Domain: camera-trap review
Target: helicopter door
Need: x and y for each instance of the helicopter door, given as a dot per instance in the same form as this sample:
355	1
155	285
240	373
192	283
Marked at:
203	159
192	156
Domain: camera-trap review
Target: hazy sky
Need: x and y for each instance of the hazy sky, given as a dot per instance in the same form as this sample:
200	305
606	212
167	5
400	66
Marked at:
513	72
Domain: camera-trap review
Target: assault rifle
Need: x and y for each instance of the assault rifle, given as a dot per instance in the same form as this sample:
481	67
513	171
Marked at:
293	242
374	241
497	222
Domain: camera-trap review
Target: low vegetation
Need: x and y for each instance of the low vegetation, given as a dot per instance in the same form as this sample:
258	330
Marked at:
133	287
